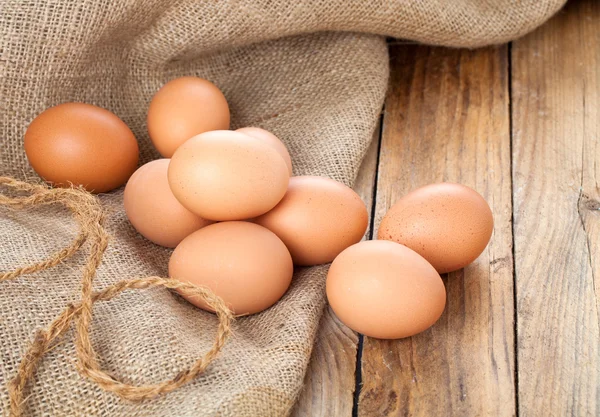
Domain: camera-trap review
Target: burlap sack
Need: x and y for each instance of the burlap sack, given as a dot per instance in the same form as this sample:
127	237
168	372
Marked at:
312	71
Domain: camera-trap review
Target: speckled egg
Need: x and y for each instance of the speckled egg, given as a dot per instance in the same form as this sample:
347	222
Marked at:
271	139
448	224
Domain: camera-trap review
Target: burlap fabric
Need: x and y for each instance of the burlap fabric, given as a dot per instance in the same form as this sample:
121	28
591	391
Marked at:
312	71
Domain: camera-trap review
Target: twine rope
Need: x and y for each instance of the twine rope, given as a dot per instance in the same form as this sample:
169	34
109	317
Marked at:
88	213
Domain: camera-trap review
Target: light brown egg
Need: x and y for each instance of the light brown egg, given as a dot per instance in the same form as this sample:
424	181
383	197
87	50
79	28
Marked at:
271	139
448	224
81	144
226	175
243	263
154	211
317	219
183	108
385	290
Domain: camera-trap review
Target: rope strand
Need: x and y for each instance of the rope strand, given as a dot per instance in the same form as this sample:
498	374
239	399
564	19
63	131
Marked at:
89	214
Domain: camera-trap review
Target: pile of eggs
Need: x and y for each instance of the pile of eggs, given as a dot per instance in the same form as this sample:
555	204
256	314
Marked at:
239	221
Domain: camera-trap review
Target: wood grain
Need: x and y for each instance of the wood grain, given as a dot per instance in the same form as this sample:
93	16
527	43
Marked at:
447	119
556	160
330	379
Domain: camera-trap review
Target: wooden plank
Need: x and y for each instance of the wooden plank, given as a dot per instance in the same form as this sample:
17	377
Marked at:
447	119
330	380
556	167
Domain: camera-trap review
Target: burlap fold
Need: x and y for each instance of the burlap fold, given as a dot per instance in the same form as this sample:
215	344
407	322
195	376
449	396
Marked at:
312	71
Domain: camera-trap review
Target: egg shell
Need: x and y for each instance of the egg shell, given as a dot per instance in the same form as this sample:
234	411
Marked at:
154	211
271	139
183	108
81	144
385	290
243	263
226	175
317	219
448	224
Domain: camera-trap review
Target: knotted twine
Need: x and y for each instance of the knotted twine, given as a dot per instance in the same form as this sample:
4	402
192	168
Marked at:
89	214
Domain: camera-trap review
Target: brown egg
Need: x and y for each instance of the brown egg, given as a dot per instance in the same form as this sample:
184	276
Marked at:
317	219
385	290
153	209
225	175
271	139
243	263
81	144
183	108
448	224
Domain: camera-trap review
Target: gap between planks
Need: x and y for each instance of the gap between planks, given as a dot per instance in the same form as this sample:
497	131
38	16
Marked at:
450	117
330	378
447	119
556	160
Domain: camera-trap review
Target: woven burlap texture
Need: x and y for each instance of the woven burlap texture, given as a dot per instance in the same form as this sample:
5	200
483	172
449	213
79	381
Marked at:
312	71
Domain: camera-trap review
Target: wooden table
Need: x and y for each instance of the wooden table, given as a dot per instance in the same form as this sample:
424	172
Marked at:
520	123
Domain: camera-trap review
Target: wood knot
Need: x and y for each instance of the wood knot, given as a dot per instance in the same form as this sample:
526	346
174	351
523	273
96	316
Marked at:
588	203
592	204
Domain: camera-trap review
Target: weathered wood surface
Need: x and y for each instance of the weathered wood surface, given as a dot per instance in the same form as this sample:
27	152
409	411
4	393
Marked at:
447	119
330	381
556	170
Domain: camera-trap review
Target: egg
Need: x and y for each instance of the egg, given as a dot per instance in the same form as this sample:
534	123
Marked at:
226	175
385	290
183	108
154	211
243	263
448	224
317	219
81	144
272	140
